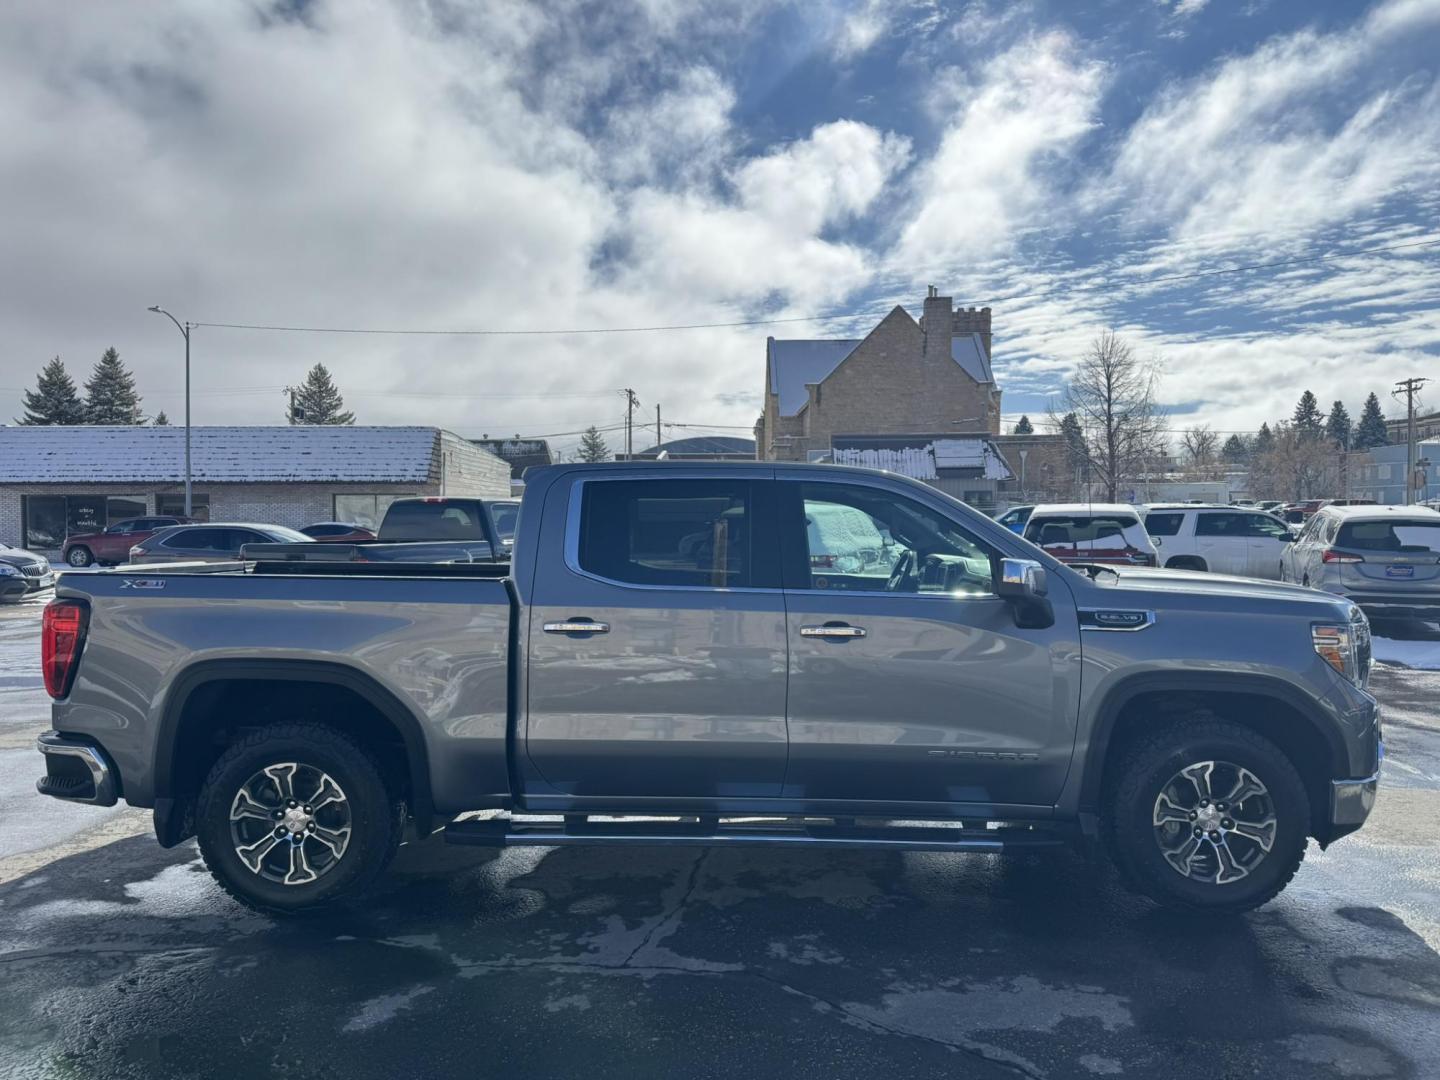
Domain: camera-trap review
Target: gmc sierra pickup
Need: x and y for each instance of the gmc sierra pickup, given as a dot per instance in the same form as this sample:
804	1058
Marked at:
719	654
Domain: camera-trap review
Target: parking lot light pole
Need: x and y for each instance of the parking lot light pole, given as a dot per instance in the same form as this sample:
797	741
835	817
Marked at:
185	332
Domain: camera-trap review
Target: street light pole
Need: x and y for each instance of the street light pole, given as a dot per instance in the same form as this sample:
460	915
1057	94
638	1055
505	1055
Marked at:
185	332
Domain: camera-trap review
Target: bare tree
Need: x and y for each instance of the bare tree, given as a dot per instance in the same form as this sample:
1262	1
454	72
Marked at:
1112	395
1202	449
1293	466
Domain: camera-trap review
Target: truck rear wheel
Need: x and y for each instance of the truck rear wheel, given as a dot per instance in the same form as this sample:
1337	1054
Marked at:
1207	816
295	816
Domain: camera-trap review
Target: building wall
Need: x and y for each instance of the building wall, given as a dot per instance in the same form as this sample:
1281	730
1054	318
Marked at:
467	469
890	383
294	505
1379	473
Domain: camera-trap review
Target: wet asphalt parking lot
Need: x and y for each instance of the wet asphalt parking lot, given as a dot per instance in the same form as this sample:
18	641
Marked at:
118	959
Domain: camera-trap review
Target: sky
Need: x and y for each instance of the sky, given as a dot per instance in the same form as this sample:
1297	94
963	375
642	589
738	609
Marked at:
501	166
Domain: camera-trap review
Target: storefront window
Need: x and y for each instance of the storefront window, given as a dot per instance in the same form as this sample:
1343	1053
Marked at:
49	519
367	510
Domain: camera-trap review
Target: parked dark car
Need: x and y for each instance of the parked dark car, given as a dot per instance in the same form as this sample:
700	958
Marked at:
112	545
210	542
338	532
23	573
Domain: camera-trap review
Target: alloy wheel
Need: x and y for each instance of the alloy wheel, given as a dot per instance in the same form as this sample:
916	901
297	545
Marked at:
1215	822
290	823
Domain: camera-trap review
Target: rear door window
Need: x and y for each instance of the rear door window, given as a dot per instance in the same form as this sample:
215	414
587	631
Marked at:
1221	524
1392	537
1164	524
694	533
197	539
1263	525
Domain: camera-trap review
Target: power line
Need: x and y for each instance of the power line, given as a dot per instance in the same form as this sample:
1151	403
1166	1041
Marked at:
862	313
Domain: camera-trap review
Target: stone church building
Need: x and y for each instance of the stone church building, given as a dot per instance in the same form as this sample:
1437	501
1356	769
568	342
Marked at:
931	377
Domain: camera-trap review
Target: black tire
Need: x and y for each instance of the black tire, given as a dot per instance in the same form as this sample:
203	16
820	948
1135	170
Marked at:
79	556
375	817
1186	562
1144	770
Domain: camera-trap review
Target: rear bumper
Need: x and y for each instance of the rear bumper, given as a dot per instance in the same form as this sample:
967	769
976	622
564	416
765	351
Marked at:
76	771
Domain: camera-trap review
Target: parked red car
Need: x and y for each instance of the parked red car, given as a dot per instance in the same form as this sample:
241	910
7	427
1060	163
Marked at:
338	532
113	545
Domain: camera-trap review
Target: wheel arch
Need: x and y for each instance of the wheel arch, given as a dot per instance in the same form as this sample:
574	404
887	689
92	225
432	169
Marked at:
1262	703
179	720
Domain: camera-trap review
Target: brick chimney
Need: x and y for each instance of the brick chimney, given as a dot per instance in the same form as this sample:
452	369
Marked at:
971	321
935	322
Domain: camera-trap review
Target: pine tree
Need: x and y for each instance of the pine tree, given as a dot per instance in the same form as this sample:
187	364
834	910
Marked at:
1371	432
1308	422
1024	427
1076	456
317	401
1337	427
1236	450
1264	442
110	396
161	420
592	446
54	399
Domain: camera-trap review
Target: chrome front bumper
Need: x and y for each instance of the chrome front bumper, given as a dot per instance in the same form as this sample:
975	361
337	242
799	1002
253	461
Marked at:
76	771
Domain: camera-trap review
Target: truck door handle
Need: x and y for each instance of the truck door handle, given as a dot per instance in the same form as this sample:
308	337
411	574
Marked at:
833	630
577	626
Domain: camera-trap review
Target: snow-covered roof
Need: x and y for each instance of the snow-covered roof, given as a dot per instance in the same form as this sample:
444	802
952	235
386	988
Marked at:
924	460
304	453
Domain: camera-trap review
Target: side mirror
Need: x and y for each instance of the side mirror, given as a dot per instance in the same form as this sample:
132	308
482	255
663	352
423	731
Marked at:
1021	583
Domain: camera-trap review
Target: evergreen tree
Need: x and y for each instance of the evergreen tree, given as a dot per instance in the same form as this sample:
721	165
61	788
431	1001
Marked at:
161	420
110	396
592	446
1024	427
54	399
1264	442
317	401
1076	455
1370	432
1236	450
1308	422
1337	427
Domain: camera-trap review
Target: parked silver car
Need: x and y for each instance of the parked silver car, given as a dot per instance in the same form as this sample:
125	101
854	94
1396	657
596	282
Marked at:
210	543
1384	558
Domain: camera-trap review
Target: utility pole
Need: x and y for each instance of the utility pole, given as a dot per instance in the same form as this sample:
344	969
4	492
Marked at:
185	330
632	402
1409	387
657	428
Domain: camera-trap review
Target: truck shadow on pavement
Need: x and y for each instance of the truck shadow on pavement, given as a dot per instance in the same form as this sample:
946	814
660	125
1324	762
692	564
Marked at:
129	961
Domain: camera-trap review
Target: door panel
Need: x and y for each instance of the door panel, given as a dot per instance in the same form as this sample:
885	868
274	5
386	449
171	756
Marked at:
1221	540
682	696
1268	540
943	699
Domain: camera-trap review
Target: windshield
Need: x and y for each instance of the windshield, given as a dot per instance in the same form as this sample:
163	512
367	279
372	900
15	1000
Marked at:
437	519
1085	532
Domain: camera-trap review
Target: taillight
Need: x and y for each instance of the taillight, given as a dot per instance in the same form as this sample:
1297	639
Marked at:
1331	555
62	636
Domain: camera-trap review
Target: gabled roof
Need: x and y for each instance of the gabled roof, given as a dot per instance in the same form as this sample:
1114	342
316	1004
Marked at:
151	455
795	362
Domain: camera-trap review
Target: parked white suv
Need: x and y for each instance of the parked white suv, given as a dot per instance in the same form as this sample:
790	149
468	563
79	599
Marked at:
1220	539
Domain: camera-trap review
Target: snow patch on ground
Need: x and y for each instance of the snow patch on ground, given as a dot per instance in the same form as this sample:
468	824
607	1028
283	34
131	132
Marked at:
1422	655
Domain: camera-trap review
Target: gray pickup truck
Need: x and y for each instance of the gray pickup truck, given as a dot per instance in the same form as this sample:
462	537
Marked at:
719	654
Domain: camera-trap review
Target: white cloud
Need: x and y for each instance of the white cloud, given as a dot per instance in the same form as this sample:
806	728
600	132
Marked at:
987	179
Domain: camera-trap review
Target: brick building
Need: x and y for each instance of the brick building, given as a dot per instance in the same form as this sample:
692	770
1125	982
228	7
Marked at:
59	480
933	375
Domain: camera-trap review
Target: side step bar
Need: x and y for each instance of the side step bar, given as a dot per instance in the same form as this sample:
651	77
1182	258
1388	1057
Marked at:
501	832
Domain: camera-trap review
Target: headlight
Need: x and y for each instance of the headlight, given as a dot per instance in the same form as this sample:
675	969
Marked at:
6	570
1345	646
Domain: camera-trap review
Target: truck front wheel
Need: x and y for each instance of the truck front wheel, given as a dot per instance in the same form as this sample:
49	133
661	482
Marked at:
1207	816
295	816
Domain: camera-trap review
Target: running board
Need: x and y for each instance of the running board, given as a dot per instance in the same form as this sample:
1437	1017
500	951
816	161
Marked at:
500	832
